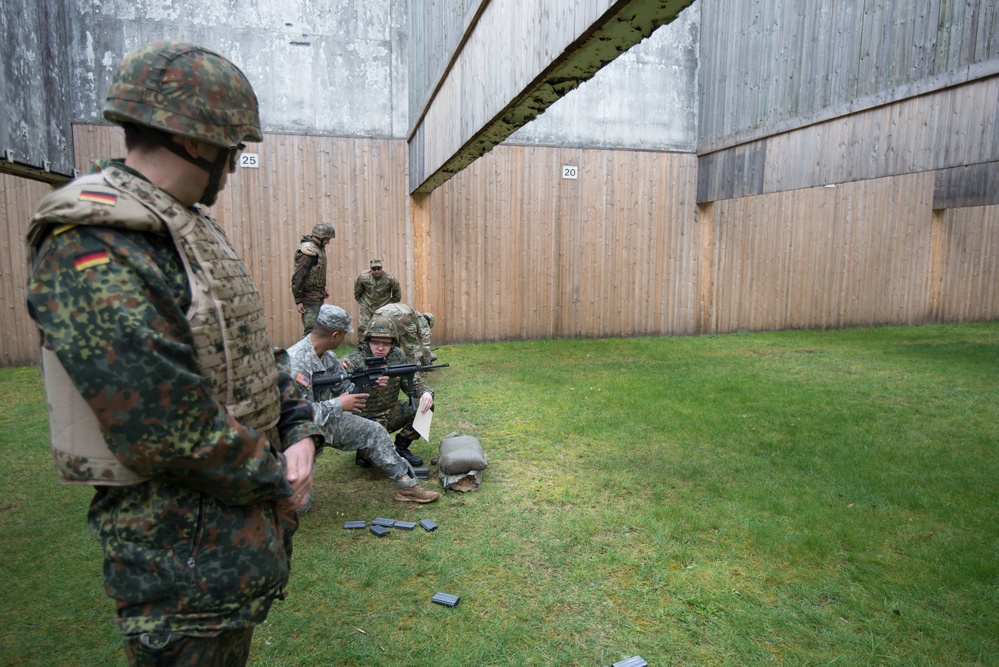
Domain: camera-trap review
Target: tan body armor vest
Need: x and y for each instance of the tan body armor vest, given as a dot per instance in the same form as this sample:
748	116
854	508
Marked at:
226	316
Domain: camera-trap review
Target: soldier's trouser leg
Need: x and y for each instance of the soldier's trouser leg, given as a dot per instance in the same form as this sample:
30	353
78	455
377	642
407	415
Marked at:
351	432
231	648
309	316
363	317
400	417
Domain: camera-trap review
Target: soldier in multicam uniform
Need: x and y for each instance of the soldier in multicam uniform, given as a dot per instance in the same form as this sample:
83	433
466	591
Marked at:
334	407
413	328
198	462
308	283
383	404
372	290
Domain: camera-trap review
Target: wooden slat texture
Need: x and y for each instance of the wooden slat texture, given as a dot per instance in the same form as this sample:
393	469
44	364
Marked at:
968	287
356	184
768	62
853	255
943	130
18	335
521	253
510	250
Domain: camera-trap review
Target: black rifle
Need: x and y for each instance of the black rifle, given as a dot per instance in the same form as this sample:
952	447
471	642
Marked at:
364	379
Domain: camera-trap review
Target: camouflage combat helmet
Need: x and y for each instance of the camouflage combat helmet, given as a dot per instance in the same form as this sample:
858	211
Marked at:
382	327
186	90
429	317
324	230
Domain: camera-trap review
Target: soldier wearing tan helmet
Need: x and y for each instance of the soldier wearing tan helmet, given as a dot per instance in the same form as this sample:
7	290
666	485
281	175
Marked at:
165	392
308	282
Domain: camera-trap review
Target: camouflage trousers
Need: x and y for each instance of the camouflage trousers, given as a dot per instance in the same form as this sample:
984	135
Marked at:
363	317
351	432
310	315
397	418
231	648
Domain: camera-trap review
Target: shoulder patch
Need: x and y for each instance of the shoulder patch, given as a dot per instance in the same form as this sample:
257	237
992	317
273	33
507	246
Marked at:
91	259
301	379
106	198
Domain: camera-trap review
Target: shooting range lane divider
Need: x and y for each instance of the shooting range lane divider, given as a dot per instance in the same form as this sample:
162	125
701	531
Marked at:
445	599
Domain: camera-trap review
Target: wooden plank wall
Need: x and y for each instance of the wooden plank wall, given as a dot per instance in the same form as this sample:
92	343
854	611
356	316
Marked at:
945	129
858	254
18	336
359	185
966	279
510	250
767	62
518	252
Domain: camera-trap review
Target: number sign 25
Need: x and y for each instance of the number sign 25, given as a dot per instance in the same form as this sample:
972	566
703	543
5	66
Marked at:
249	160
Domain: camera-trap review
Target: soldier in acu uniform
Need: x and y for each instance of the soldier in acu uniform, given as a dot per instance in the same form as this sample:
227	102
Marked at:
372	290
165	392
413	328
383	404
335	407
308	283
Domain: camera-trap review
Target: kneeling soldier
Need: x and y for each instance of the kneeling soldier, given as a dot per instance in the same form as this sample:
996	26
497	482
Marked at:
335	411
381	339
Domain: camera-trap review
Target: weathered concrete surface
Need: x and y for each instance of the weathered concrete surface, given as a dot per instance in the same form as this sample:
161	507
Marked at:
319	67
35	118
646	99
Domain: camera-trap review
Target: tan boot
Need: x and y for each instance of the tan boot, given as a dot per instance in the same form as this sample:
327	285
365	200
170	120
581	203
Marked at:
415	494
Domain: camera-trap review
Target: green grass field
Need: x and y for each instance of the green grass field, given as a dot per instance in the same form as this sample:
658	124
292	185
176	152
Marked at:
789	498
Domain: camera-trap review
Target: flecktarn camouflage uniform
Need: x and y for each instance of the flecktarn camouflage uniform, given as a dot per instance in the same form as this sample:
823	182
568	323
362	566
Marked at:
343	430
308	282
200	547
414	332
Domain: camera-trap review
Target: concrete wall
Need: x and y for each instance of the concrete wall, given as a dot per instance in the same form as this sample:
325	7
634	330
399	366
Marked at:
35	118
646	99
334	67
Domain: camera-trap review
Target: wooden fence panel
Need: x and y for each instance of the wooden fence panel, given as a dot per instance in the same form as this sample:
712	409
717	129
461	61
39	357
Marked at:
18	335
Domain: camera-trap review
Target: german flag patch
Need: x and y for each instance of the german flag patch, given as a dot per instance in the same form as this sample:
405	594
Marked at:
91	259
98	197
301	379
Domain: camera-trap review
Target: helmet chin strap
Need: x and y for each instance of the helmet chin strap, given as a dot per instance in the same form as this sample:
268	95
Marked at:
215	169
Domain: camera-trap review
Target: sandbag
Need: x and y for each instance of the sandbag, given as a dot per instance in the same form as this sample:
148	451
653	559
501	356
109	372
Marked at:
461	462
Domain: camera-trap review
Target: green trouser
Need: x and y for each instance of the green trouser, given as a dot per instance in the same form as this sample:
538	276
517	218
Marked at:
230	648
310	315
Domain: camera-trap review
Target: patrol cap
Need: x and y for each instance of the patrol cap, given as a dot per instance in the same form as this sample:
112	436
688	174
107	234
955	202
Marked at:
324	230
376	264
334	317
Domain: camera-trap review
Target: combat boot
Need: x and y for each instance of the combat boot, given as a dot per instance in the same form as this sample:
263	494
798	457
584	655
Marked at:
361	460
415	494
402	449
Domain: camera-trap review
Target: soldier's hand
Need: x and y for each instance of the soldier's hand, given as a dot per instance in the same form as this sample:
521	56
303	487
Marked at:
300	307
353	402
426	401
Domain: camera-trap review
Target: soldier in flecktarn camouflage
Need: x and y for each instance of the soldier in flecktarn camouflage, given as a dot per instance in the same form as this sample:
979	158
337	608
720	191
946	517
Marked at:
308	282
165	393
337	408
383	405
